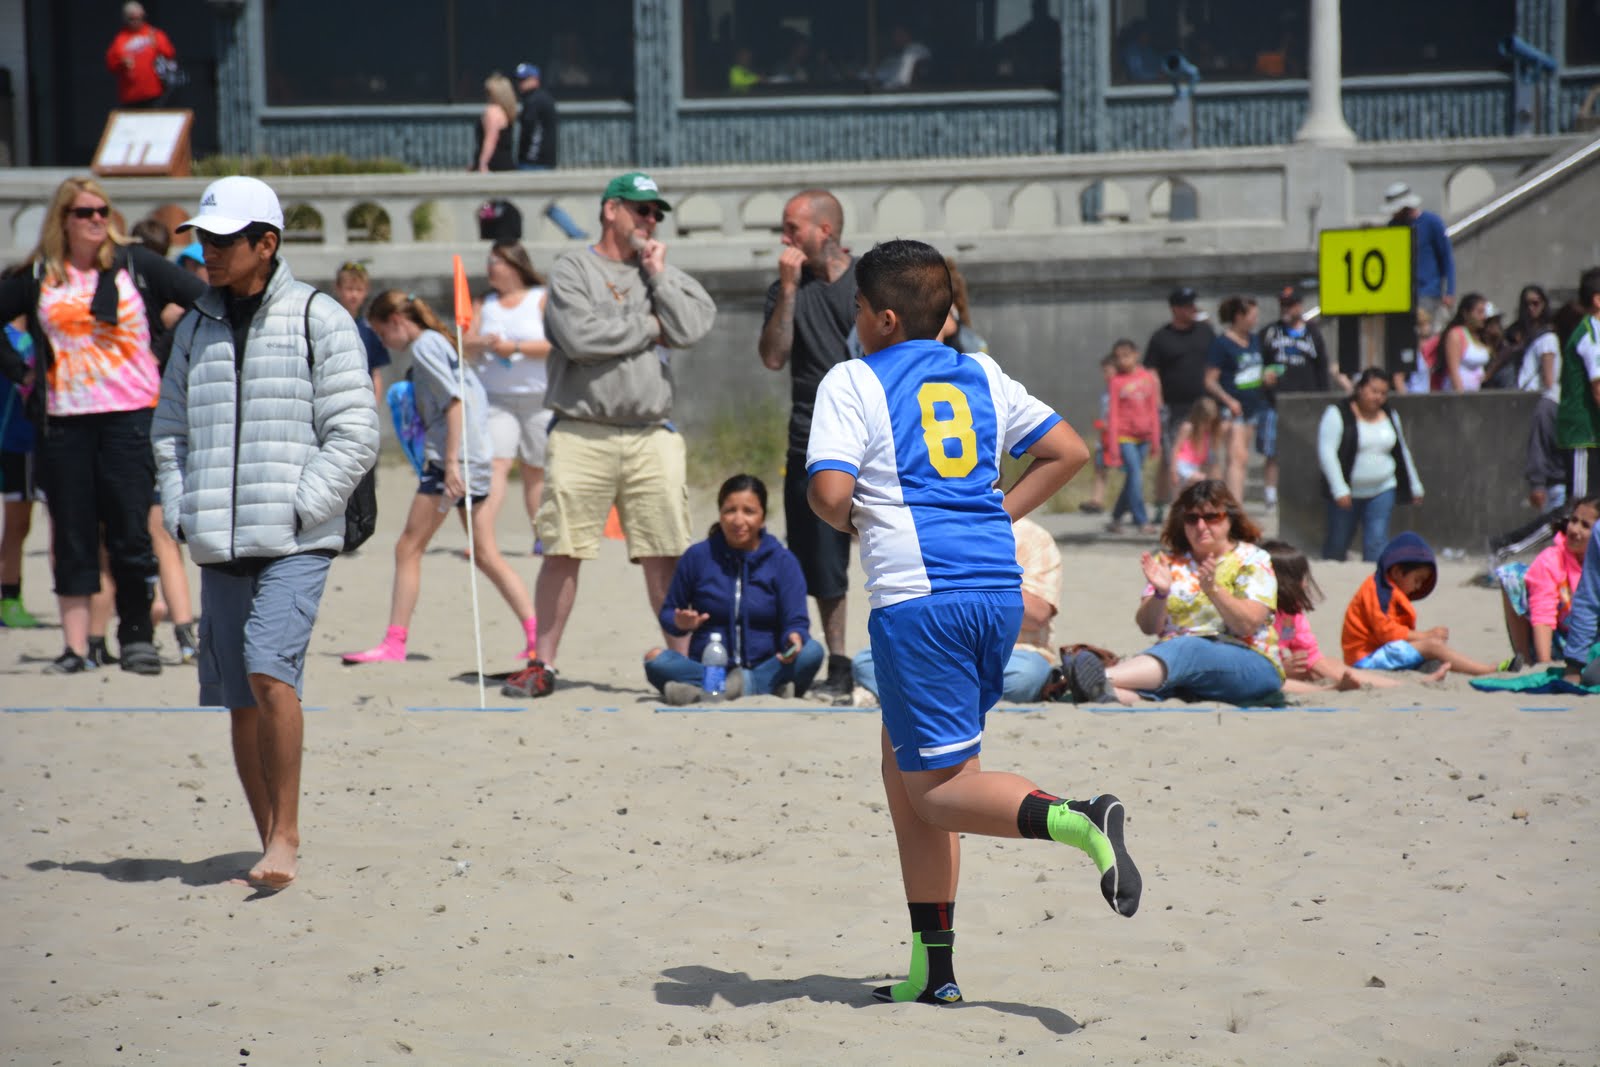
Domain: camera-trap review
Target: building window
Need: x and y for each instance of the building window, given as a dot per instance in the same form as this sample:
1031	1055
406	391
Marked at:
745	48
1383	37
1583	33
1225	40
428	52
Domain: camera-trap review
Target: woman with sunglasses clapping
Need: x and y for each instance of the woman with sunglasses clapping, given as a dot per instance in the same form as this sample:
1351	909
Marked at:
90	298
1209	599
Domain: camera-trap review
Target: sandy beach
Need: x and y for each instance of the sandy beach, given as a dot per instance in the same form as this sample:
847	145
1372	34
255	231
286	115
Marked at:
1393	877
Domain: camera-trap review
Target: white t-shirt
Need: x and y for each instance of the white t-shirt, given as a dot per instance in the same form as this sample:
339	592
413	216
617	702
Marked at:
1529	378
518	374
922	427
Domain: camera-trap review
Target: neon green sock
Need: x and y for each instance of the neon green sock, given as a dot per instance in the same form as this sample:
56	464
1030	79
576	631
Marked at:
941	945
1071	827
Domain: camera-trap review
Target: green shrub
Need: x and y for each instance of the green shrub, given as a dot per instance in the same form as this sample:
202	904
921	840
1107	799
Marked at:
750	440
279	166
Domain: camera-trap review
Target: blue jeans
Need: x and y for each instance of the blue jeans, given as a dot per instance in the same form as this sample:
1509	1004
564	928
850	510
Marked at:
768	676
1372	514
569	225
1202	669
1131	500
1026	673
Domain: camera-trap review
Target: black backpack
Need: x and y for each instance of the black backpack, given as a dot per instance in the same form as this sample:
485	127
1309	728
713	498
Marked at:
361	511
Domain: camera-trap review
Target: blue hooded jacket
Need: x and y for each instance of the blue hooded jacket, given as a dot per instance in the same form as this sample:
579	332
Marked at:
754	598
1405	548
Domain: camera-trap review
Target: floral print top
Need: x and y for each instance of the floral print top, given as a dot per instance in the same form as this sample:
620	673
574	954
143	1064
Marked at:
1246	572
97	368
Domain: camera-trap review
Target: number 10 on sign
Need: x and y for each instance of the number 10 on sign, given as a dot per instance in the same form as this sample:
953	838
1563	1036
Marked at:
1365	272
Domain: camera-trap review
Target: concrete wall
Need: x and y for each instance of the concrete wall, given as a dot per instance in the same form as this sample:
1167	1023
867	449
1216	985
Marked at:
1469	452
1547	239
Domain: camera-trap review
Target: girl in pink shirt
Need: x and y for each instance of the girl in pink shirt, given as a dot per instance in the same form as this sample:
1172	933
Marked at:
1538	596
1305	668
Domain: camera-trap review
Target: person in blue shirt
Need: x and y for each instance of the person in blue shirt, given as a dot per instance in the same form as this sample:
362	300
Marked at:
1238	378
1434	269
16	485
905	452
743	583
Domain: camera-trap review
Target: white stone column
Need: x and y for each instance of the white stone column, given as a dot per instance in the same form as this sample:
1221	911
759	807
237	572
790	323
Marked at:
1325	124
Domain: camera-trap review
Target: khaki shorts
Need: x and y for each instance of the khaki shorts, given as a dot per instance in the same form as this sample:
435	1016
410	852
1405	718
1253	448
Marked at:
518	426
590	467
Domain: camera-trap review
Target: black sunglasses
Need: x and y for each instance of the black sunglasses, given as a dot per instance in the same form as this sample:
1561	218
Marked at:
220	240
646	210
104	211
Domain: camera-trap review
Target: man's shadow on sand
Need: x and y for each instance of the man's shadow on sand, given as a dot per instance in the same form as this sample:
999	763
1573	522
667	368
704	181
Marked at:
216	870
696	987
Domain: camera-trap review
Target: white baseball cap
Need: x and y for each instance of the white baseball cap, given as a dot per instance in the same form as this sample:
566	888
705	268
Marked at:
231	204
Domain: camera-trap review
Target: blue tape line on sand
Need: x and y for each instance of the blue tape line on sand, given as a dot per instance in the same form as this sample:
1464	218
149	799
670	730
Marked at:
735	709
1545	709
134	709
464	707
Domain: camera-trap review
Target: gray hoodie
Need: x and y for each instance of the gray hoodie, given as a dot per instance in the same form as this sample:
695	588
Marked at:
605	365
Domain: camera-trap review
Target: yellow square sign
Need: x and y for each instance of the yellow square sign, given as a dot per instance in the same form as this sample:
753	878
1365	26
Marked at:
1365	272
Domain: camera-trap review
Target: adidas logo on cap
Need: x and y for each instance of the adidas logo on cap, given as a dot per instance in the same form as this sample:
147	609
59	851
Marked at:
209	200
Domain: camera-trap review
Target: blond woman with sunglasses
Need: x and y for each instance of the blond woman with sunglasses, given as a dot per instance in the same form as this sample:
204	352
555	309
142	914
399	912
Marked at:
90	298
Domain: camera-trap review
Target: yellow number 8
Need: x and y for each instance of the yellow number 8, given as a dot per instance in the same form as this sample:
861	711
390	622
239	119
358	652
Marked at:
958	427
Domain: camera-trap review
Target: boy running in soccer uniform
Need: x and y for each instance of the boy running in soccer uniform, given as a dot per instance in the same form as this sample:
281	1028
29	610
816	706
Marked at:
905	449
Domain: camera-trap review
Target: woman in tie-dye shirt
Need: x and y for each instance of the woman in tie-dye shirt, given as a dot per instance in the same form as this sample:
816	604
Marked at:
89	298
1209	598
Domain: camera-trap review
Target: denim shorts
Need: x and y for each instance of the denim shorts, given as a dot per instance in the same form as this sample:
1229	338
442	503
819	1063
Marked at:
1200	668
257	624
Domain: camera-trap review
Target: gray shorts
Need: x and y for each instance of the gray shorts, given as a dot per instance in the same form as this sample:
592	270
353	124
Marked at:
257	624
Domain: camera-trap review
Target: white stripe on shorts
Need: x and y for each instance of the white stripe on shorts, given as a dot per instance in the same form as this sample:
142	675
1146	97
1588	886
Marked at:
940	750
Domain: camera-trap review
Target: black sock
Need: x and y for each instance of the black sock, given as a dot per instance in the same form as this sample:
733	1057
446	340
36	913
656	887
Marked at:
1034	814
928	918
10	590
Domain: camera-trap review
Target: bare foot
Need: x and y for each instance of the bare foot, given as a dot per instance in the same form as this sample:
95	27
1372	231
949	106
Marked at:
1347	683
277	866
1438	675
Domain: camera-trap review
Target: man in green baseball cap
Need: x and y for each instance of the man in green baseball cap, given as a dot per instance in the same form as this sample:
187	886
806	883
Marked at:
637	186
617	311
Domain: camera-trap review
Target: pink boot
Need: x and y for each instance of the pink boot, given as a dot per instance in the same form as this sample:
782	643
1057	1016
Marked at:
391	650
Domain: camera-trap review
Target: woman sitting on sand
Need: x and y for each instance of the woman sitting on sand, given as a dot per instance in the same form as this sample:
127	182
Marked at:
743	583
1210	599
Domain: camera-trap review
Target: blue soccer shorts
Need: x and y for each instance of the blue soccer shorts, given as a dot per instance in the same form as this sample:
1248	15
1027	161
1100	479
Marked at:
941	663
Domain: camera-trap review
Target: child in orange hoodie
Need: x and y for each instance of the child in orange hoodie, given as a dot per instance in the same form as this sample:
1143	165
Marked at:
1380	625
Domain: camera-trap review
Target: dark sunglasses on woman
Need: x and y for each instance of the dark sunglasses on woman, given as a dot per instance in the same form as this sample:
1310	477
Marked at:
104	211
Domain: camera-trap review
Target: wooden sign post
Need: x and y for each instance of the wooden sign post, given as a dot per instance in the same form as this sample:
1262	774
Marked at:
145	143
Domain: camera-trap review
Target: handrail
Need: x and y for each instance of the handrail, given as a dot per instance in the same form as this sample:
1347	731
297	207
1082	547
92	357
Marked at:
1509	197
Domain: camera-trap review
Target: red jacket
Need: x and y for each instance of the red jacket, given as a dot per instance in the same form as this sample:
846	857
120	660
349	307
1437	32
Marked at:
1134	412
132	58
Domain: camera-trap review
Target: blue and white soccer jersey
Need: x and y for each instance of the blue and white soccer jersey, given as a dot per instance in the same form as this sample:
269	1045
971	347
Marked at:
921	427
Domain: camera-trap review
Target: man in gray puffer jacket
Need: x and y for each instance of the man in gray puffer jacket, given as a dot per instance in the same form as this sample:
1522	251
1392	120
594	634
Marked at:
266	424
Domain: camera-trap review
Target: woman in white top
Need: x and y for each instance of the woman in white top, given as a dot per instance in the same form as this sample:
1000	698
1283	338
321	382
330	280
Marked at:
508	345
1366	467
1464	353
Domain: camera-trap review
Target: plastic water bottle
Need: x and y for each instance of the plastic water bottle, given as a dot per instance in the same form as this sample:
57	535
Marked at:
714	662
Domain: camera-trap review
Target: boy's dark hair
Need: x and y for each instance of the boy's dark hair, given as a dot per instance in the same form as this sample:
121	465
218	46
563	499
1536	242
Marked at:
254	232
153	234
1588	287
911	279
1298	592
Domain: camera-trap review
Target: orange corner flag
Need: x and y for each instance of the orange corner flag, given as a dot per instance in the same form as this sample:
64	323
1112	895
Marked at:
463	296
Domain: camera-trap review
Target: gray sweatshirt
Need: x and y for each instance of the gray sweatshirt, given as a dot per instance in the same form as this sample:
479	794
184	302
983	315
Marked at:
605	365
